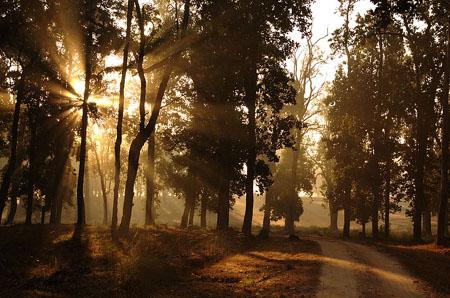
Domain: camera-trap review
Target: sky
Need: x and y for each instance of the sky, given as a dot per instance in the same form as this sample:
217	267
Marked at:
326	18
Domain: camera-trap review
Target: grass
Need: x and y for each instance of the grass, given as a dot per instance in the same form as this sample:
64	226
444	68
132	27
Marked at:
43	261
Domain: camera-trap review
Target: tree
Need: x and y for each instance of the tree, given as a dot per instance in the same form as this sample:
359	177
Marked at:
443	207
143	135
264	35
118	144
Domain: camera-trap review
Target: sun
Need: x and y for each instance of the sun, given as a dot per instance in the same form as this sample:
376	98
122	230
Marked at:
78	86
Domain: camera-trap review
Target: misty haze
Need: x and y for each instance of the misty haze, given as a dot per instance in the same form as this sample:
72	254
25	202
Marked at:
224	148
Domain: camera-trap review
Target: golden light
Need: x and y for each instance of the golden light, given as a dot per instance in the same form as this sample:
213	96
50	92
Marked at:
78	86
102	101
97	132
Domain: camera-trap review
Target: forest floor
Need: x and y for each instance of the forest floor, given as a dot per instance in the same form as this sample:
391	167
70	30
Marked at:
43	261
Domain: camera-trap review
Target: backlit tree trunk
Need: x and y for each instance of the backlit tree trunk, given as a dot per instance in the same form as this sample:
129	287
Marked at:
265	231
192	213
59	178
103	186
251	147
188	205
223	212
426	223
118	143
333	218
31	162
143	135
387	205
13	203
347	210
203	208
150	166
10	167
419	195
150	181
81	217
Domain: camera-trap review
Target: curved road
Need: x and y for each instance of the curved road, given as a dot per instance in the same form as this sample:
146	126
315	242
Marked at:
355	270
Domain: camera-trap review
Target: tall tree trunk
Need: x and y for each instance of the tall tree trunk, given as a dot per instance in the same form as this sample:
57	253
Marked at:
134	155
347	210
118	143
13	203
375	209
12	211
11	166
426	223
265	231
192	213
143	135
223	211
103	186
443	207
150	168
150	181
377	144
62	156
203	209
333	218
187	211
290	225
42	215
387	204
81	217
419	196
65	189
251	158
31	162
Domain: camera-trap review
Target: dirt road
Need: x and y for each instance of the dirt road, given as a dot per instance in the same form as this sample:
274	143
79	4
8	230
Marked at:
355	270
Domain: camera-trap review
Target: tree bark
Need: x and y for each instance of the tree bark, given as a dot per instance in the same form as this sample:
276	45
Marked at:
61	158
150	181
118	143
347	210
251	146
375	210
387	205
290	220
333	218
289	223
185	216
81	217
265	231
134	154
31	162
203	209
13	203
192	213
11	166
426	222
419	195
103	187
150	175
223	211
363	230
143	135
443	220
